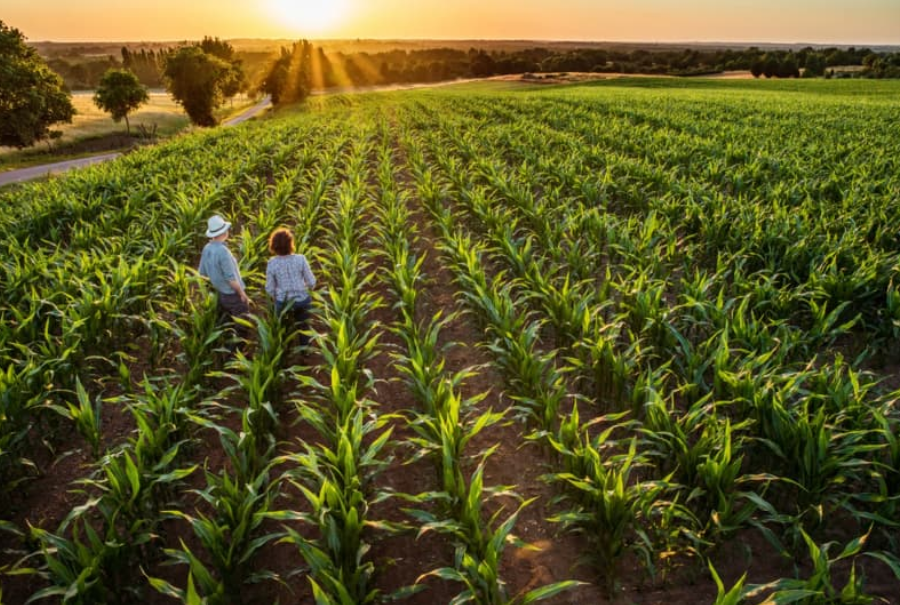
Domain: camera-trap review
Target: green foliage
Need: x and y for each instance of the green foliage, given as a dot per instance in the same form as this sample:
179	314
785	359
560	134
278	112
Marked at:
289	78
235	80
32	97
734	596
822	585
197	81
120	93
86	417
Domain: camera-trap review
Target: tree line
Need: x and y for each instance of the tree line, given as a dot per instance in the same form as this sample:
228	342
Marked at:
437	64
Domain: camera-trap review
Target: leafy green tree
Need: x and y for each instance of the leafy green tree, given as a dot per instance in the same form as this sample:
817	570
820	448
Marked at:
145	64
32	97
787	67
235	81
814	66
196	80
275	82
757	67
483	64
771	64
289	78
217	48
120	92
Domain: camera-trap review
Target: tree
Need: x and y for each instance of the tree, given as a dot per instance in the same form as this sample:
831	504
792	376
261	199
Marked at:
770	65
757	67
289	78
145	65
482	64
235	80
815	65
196	80
32	97
788	68
275	81
120	92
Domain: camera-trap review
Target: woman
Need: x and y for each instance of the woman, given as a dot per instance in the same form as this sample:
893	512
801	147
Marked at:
289	280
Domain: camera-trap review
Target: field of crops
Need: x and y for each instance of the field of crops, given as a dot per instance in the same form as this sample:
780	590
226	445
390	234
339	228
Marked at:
630	342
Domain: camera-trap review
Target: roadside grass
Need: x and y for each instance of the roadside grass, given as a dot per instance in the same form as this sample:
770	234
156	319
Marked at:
93	131
91	121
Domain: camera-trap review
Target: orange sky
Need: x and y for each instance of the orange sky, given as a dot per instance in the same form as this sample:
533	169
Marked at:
815	21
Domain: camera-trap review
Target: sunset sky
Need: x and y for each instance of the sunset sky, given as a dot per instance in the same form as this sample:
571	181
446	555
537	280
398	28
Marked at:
815	21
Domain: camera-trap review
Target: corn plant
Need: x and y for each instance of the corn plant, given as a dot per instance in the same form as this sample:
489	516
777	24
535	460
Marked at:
879	503
476	564
820	586
198	330
86	568
230	536
333	480
85	564
339	512
733	596
334	477
607	507
817	454
606	371
86	416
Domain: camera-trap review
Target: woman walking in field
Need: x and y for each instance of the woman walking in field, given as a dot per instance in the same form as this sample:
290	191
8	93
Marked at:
289	281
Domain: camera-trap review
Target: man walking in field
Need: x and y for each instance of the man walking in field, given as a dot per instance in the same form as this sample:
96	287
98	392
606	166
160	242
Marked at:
219	266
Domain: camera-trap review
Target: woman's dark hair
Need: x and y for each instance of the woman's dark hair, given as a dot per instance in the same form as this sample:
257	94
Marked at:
281	242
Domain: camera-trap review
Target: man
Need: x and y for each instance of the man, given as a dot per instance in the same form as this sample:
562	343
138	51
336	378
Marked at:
219	266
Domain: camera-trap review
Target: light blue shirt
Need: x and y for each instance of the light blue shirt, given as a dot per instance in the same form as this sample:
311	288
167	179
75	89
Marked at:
219	266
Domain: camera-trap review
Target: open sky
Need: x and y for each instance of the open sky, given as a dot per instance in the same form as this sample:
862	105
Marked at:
860	22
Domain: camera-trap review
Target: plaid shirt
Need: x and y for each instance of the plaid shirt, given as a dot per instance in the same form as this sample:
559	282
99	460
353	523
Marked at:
289	277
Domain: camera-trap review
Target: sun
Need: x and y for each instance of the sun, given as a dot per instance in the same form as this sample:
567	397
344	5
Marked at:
309	16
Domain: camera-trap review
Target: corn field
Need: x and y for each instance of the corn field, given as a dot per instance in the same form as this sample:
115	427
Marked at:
629	342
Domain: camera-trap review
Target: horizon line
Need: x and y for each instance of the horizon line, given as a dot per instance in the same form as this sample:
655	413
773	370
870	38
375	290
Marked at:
482	40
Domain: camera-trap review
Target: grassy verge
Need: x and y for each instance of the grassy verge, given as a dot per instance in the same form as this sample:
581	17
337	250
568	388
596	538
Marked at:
93	132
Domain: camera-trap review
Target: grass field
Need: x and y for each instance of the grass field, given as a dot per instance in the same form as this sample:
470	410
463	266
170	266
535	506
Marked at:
633	341
90	121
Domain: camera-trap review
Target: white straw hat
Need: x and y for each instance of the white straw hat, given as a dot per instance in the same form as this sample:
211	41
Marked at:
216	226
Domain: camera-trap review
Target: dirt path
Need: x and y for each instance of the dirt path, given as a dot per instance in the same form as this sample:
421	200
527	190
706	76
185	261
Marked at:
36	172
250	113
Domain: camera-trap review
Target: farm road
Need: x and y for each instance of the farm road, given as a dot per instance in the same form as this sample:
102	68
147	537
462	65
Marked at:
253	111
35	172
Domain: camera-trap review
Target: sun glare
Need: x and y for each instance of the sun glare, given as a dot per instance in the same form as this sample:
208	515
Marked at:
309	16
